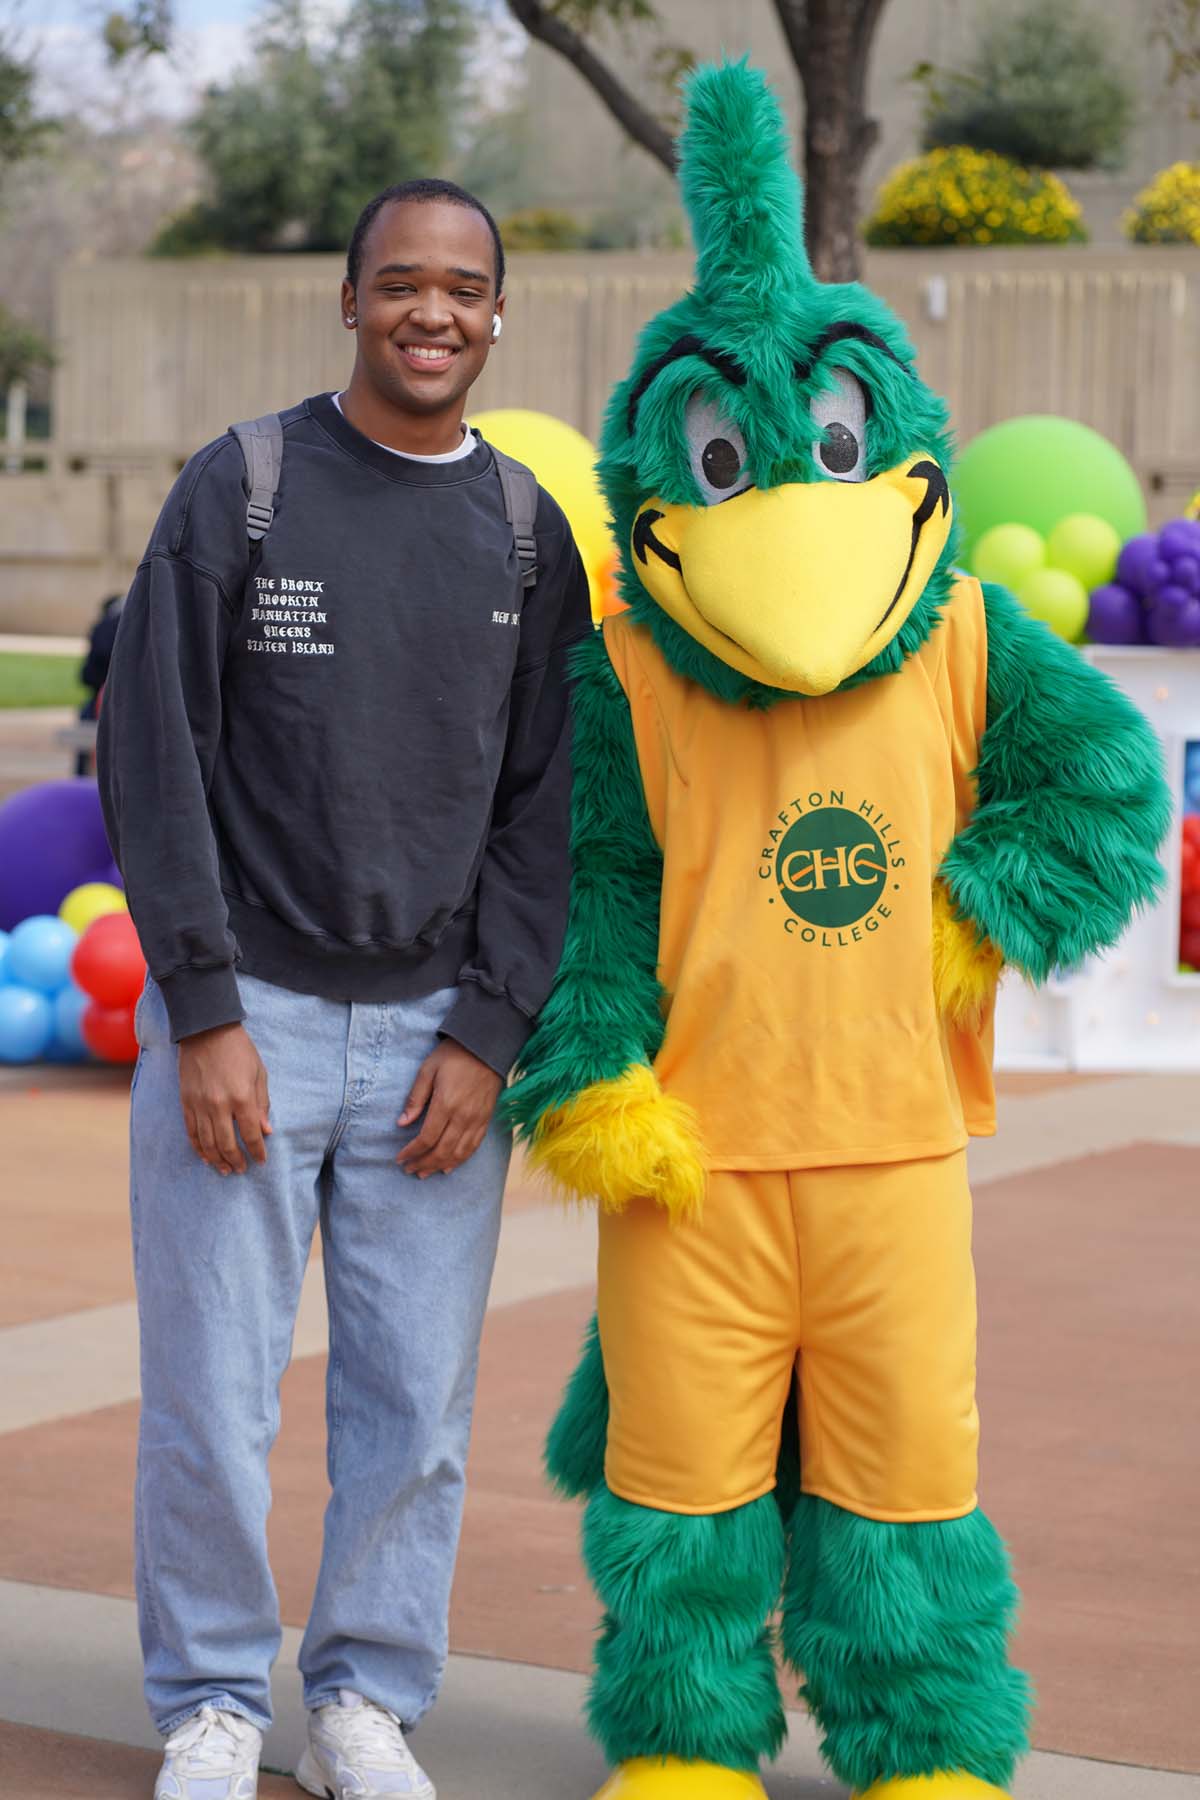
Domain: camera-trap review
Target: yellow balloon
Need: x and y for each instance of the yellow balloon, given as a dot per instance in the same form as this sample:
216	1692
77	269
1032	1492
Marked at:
565	464
1058	599
91	901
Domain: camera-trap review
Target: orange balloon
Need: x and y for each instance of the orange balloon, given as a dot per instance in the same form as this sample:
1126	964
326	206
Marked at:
108	963
108	1032
606	581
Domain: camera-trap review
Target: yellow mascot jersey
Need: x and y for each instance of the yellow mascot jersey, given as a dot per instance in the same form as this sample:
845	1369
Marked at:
800	847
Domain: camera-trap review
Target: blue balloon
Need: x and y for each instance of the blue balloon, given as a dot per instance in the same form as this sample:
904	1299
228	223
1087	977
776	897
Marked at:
26	1024
3	957
40	952
67	1044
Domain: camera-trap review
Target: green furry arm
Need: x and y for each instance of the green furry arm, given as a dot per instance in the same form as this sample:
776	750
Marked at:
1072	802
603	1011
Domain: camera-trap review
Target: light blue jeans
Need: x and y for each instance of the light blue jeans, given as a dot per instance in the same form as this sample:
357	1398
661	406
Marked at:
219	1263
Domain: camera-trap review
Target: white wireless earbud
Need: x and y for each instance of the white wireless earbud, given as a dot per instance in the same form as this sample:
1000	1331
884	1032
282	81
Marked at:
497	326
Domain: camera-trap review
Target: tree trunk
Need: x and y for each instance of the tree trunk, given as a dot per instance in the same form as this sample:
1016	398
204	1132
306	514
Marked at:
830	42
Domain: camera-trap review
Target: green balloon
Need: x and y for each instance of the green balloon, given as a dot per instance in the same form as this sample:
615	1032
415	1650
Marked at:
1007	553
1058	599
1084	545
1034	471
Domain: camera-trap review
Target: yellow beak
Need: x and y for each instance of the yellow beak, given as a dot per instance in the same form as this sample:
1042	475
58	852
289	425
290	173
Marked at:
798	586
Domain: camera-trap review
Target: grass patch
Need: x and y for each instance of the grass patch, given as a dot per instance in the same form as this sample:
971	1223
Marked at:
31	680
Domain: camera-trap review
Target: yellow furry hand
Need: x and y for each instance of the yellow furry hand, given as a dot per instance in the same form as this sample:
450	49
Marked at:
966	966
619	1140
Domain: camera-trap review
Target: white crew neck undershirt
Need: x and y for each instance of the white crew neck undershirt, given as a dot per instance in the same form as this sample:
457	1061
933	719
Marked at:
445	456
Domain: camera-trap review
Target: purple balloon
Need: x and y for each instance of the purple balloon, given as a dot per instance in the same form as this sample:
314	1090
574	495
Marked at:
1135	565
51	839
1177	627
1185	573
1172	596
1179	538
1115	616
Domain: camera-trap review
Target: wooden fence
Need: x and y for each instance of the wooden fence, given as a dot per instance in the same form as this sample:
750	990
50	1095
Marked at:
156	358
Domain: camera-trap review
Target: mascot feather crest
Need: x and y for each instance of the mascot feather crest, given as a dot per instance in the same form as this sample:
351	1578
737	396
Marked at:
778	356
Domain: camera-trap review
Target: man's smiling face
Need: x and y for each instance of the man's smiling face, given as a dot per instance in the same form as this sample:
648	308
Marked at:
424	303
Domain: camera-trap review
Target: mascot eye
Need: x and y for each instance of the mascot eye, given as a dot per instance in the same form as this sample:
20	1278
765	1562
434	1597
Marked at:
717	451
839	417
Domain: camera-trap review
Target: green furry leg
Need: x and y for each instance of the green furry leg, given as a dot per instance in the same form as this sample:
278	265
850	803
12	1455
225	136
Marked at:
576	1441
684	1665
901	1632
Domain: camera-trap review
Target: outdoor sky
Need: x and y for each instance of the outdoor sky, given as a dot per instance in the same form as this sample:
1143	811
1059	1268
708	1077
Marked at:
66	39
212	38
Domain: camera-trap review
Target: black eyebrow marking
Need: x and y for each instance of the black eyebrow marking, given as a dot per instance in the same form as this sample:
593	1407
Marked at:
689	345
834	334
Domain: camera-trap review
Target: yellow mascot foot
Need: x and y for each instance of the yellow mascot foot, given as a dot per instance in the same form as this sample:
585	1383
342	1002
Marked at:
947	1785
667	1778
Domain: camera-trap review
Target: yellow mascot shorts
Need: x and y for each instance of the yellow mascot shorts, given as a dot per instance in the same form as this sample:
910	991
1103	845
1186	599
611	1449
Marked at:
859	1280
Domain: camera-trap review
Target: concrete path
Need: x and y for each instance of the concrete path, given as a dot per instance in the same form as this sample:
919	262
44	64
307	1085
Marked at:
22	644
501	1731
72	1723
29	749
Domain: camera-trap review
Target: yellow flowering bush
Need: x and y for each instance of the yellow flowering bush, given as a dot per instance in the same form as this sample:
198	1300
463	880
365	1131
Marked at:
1168	211
956	195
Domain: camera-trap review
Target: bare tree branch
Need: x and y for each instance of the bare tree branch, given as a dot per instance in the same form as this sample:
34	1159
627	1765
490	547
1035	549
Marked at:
640	124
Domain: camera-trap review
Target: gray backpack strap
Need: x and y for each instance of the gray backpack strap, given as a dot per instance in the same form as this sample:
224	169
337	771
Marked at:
520	489
262	448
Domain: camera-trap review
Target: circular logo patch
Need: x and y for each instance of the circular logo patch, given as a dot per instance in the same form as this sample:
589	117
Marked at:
831	866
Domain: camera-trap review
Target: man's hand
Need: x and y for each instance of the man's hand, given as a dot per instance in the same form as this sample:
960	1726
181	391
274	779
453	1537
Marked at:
223	1084
458	1095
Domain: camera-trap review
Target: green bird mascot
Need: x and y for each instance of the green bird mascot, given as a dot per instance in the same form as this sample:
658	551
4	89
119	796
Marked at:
826	785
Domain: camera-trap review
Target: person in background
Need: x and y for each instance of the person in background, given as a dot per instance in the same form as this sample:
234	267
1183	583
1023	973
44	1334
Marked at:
94	672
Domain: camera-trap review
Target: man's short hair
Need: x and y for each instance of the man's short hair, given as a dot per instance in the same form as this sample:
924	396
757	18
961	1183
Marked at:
423	189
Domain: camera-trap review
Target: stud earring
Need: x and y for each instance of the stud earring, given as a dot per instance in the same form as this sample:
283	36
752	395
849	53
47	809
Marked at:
351	322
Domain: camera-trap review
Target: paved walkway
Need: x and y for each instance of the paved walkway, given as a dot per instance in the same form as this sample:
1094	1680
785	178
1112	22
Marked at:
1088	1242
22	644
29	748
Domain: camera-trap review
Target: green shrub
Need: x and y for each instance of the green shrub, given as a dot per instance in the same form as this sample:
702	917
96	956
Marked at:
196	231
1167	211
1044	88
541	228
963	196
22	350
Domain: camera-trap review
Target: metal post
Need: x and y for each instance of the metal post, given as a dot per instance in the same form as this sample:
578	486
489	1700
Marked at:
14	437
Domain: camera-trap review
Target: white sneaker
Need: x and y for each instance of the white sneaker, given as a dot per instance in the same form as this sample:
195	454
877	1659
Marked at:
212	1756
356	1751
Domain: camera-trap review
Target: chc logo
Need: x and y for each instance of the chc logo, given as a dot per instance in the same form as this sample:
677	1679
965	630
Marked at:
831	867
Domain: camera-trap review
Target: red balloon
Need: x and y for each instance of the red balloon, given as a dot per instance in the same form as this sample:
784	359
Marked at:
108	963
1189	912
1189	948
108	1032
1189	869
1191	828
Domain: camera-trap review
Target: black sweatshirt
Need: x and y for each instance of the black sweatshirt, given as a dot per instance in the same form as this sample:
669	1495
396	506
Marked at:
340	760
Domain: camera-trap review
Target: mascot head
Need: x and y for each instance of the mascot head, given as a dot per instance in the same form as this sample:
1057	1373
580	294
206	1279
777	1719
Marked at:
776	471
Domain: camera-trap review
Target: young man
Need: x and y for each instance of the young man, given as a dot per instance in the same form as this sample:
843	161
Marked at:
335	775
